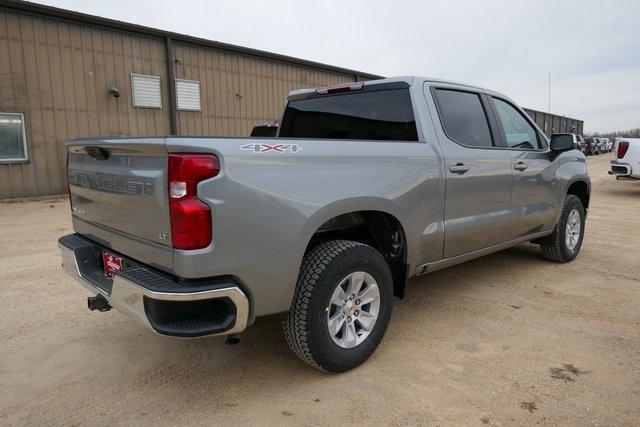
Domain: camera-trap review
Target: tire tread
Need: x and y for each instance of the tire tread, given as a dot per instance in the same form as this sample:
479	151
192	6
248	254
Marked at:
551	246
314	263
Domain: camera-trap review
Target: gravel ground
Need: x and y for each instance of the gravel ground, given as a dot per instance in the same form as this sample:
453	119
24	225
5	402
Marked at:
505	339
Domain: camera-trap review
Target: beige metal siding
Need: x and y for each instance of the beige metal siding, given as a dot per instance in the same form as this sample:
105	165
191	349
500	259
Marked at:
58	73
239	91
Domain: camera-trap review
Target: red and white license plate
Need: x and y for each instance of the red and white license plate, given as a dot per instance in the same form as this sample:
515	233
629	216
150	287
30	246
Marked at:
111	263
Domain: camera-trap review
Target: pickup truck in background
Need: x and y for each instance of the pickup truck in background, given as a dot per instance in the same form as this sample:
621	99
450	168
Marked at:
364	186
593	146
626	164
267	130
581	144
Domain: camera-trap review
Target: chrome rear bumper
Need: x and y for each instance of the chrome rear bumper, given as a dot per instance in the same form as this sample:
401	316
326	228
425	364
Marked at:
153	299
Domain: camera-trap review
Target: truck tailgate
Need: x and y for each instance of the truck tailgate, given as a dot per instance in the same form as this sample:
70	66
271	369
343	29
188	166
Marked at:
118	191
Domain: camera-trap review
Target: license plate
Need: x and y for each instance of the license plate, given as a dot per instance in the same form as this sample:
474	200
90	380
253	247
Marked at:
111	263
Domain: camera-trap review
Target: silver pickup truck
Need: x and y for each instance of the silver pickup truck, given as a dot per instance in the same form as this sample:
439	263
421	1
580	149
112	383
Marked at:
364	186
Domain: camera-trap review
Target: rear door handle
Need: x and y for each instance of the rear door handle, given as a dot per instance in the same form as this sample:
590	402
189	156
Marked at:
520	166
459	168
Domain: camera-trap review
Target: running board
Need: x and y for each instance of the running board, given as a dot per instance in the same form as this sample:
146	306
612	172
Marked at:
459	259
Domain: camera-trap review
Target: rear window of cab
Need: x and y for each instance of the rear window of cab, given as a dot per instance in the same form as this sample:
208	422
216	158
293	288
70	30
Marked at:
366	115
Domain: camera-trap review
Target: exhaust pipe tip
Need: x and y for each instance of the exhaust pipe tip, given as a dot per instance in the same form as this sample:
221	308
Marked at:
99	303
232	339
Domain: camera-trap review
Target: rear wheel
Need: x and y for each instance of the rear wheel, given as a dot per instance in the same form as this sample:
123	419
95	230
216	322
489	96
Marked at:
565	242
341	307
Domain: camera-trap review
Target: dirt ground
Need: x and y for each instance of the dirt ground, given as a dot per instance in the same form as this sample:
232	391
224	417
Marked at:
505	339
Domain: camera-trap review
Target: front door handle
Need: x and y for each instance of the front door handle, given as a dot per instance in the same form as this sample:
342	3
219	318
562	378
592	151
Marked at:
459	168
520	166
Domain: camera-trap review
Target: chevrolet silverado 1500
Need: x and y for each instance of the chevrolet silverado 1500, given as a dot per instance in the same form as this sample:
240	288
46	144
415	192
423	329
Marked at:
364	186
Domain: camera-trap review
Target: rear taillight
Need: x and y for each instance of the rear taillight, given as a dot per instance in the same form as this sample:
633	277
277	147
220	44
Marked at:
623	146
191	224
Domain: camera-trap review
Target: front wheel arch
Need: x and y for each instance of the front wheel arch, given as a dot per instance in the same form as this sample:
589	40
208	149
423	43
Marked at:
581	190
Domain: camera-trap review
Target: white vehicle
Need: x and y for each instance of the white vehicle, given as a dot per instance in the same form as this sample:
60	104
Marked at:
626	165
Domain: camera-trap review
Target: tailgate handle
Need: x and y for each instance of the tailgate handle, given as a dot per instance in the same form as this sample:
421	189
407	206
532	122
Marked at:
98	153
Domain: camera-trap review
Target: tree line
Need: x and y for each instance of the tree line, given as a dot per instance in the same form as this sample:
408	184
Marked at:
631	133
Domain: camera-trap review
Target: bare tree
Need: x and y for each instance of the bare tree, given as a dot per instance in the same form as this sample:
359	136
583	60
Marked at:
631	133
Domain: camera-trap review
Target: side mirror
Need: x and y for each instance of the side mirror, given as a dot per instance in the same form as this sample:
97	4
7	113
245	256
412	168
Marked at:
562	142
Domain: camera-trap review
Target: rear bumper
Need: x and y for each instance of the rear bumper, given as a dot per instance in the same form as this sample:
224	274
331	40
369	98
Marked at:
621	169
163	304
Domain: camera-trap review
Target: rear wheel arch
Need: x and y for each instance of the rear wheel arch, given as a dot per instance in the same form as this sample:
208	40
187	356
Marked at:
379	229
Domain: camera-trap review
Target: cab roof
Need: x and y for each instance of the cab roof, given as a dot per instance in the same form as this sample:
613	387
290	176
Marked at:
409	80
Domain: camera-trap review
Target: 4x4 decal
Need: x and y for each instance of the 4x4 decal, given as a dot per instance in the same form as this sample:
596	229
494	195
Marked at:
278	148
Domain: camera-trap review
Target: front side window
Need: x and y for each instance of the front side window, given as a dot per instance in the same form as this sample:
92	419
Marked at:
518	131
463	118
13	145
375	115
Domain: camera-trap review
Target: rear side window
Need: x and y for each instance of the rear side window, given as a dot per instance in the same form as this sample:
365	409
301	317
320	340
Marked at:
378	115
463	118
518	131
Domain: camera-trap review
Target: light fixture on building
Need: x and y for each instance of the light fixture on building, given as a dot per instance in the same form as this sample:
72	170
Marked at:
114	91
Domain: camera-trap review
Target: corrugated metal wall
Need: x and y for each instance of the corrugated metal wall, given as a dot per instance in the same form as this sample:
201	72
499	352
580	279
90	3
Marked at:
58	73
240	91
552	123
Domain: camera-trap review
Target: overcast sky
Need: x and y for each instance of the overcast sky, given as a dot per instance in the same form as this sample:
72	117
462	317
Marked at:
591	48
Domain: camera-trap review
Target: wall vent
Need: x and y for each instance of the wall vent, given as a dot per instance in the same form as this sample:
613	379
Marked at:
188	95
145	91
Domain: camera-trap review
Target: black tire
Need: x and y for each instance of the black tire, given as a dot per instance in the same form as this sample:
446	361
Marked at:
322	270
554	247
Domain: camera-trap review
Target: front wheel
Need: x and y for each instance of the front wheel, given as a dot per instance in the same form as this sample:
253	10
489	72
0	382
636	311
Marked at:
565	242
341	307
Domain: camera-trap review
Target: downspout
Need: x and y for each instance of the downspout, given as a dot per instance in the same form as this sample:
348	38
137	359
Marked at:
171	73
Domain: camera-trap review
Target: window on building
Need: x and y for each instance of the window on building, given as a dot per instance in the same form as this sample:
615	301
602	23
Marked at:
13	141
188	95
145	91
463	118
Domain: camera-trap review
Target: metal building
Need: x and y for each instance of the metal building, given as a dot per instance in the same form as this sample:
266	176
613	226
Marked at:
553	123
60	70
65	74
